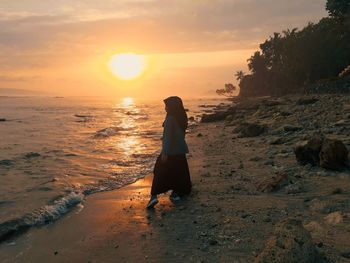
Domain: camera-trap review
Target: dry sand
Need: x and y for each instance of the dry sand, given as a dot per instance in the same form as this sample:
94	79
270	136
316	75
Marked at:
226	218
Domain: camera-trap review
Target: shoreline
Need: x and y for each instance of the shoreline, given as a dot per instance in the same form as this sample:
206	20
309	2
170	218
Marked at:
228	217
25	247
60	205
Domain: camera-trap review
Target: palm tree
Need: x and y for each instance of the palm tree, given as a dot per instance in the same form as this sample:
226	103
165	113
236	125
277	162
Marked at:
239	75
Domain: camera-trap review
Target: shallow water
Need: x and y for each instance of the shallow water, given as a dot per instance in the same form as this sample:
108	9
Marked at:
54	151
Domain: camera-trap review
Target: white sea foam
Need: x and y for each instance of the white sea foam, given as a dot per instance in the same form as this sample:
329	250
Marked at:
41	216
57	209
107	132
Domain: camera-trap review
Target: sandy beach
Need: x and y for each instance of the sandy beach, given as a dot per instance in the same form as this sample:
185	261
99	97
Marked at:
236	204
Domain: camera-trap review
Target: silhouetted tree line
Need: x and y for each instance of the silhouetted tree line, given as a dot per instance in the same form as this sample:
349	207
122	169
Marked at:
294	58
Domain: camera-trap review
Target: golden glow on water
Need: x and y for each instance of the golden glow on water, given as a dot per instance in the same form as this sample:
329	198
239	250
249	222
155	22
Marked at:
127	66
127	102
127	124
130	145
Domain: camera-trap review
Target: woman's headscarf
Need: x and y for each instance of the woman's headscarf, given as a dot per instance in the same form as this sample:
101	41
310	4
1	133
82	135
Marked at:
176	109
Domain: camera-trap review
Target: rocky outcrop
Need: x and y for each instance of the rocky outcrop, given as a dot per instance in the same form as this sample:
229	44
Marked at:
333	154
336	86
250	129
291	243
273	183
306	101
309	151
292	128
217	116
327	153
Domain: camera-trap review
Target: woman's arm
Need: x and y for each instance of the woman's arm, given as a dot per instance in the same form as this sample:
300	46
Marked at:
167	135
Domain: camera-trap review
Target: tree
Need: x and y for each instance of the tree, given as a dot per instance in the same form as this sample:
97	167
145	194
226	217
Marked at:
338	8
292	59
239	75
227	91
257	63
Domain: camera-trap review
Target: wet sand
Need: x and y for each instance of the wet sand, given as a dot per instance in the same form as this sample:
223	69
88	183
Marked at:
226	218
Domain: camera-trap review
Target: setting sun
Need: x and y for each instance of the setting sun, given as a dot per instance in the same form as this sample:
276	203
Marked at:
127	66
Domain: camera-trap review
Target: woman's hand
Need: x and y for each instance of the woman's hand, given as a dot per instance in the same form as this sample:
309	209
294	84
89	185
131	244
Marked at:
164	157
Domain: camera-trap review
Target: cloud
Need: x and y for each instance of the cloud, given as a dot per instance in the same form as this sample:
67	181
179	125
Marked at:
9	78
163	25
36	34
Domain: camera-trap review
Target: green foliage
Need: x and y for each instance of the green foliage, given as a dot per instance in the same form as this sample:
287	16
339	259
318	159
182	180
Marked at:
338	8
227	91
288	60
239	75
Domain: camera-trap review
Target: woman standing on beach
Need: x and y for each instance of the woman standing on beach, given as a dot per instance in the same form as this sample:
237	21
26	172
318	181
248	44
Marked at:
171	169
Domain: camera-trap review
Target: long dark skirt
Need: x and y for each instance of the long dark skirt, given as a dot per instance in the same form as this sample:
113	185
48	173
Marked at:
172	174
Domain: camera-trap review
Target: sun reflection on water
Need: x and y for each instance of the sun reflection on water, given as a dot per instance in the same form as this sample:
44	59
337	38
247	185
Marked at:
128	144
127	102
127	124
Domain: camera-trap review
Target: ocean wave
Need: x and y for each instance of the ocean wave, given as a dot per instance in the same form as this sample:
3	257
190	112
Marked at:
55	209
137	159
84	117
115	181
110	131
141	117
107	132
136	114
31	155
61	153
132	112
43	215
147	134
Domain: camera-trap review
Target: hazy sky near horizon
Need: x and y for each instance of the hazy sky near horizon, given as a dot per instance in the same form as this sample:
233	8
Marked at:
193	46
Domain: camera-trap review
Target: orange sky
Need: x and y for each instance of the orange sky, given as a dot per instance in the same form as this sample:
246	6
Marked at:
193	47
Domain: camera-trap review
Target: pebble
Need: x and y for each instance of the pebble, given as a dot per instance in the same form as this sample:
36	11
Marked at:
204	248
255	159
272	163
337	191
213	242
237	241
345	254
267	219
244	215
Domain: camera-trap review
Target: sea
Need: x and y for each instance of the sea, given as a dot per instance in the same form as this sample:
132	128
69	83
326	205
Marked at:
54	151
